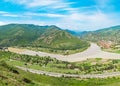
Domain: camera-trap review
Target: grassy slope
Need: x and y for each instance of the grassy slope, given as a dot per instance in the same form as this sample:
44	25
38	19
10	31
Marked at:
53	65
22	34
85	67
8	77
109	34
56	38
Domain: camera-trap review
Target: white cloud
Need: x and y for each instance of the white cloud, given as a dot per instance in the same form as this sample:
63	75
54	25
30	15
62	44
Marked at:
10	15
36	3
7	14
51	4
44	14
81	21
103	3
3	12
81	18
18	1
2	23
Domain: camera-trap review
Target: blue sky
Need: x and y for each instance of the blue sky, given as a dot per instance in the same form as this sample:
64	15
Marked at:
68	14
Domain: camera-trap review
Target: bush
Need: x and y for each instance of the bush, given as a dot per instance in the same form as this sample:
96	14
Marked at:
27	80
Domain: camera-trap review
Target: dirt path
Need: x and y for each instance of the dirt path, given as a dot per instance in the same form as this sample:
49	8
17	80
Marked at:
104	75
93	51
16	50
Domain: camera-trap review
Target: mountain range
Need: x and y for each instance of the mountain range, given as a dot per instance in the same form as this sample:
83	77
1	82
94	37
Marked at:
39	36
108	34
54	37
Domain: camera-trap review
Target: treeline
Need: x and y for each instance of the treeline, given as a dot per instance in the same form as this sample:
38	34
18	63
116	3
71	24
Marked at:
37	60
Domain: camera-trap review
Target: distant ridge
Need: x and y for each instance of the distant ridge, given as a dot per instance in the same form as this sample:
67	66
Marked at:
108	34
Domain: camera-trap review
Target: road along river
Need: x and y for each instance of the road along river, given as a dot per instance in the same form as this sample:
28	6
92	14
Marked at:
94	51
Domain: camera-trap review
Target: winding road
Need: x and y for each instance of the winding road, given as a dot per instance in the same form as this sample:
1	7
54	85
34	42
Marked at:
94	51
82	76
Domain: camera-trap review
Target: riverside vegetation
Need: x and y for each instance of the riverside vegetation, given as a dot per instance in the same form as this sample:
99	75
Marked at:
97	65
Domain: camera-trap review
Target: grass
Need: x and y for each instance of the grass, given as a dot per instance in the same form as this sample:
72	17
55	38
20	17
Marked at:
62	52
112	50
11	76
52	81
42	80
48	68
97	65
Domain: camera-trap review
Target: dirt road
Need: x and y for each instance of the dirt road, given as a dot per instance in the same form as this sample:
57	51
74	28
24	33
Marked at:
103	75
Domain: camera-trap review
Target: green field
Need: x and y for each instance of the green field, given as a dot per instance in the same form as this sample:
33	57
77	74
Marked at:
56	51
11	76
112	50
92	66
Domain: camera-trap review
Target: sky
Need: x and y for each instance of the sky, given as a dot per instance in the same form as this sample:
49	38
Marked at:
77	15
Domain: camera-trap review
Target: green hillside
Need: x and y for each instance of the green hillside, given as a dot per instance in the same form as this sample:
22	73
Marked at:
56	38
11	76
108	38
50	37
108	34
19	34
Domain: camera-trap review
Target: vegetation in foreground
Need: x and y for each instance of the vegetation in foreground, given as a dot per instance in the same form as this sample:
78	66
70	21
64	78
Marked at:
97	65
15	77
11	76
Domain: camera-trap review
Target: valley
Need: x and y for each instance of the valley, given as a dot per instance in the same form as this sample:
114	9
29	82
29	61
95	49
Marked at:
59	43
57	54
109	38
50	39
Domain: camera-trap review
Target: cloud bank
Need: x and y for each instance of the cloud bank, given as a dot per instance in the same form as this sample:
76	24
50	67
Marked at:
67	14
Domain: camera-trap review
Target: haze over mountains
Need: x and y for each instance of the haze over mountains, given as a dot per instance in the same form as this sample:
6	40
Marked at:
108	34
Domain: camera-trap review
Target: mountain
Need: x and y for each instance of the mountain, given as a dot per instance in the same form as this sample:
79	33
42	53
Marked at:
107	34
39	36
76	33
19	34
59	39
72	32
